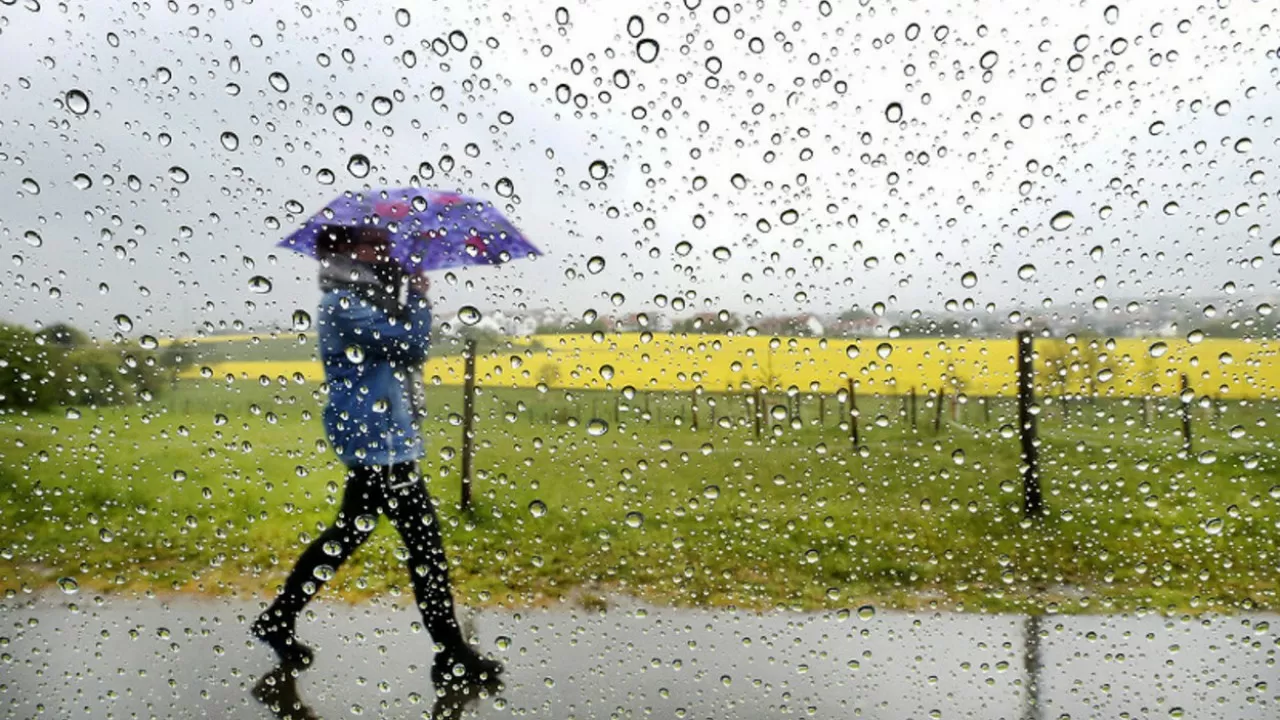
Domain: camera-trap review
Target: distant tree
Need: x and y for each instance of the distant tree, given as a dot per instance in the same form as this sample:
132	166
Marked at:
63	335
708	324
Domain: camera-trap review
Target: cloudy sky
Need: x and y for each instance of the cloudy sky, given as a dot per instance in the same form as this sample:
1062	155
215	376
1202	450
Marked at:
762	157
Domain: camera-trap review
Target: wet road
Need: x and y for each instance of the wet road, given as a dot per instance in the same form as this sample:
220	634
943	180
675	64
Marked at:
77	656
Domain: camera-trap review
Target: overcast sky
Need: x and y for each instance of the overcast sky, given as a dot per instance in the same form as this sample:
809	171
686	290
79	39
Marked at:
1152	126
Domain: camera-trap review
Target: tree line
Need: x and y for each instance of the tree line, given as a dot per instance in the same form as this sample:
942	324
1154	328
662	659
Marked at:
59	365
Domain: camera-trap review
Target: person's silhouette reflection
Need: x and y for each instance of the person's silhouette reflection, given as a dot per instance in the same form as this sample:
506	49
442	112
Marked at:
278	692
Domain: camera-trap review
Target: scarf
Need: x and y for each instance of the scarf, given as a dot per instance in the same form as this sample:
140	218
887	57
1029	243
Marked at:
381	285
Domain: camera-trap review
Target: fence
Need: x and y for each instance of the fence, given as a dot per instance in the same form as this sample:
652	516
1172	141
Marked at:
759	410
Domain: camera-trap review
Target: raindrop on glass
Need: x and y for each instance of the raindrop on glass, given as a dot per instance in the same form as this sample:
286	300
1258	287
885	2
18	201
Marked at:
469	315
77	102
358	165
278	81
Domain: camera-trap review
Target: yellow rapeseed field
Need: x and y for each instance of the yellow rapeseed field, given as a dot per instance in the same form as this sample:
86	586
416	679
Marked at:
1238	369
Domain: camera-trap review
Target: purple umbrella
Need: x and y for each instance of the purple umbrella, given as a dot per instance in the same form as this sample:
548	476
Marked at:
429	229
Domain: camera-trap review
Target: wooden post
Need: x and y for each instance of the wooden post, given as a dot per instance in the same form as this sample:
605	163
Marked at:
693	411
822	409
1186	398
937	411
913	408
468	419
853	415
1032	500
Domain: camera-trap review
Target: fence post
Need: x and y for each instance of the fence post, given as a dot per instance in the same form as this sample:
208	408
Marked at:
693	411
1032	500
1186	398
853	415
937	411
822	409
468	419
913	413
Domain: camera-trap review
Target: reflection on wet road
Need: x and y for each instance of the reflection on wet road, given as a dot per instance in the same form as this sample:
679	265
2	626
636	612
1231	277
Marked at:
192	658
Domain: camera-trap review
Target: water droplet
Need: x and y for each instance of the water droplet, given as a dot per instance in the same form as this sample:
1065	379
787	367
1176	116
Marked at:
503	642
68	585
124	323
179	174
259	284
82	181
33	238
537	508
1171	208
354	353
739	181
969	279
635	26
73	414
278	81
469	315
77	102
884	350
1158	349
1111	14
301	320
598	170
229	140
1062	220
893	113
1244	145
597	427
721	253
647	50
789	217
30	186
1156	127
852	351
866	612
358	166
1027	271
402	17
325	176
504	187
148	342
382	105
595	265
988	59
634	519
1222	108
1213	526
342	115
606	372
366	523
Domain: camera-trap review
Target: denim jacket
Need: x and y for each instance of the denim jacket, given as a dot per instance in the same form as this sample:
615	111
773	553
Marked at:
373	368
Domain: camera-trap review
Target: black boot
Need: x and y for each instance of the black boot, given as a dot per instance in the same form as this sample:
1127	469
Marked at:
279	634
461	666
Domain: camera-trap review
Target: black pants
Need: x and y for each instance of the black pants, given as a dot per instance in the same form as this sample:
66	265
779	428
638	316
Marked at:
398	492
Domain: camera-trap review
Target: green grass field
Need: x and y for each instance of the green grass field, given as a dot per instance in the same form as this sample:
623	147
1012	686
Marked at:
216	488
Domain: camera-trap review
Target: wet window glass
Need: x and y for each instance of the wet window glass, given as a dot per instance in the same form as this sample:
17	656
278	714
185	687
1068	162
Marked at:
685	359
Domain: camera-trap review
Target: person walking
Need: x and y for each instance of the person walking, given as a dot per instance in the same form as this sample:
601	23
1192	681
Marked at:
374	329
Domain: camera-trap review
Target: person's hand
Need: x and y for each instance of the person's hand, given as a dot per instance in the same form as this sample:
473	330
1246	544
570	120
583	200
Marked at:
420	283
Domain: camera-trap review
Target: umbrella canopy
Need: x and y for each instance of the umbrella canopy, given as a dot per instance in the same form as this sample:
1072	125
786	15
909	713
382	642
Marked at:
428	229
